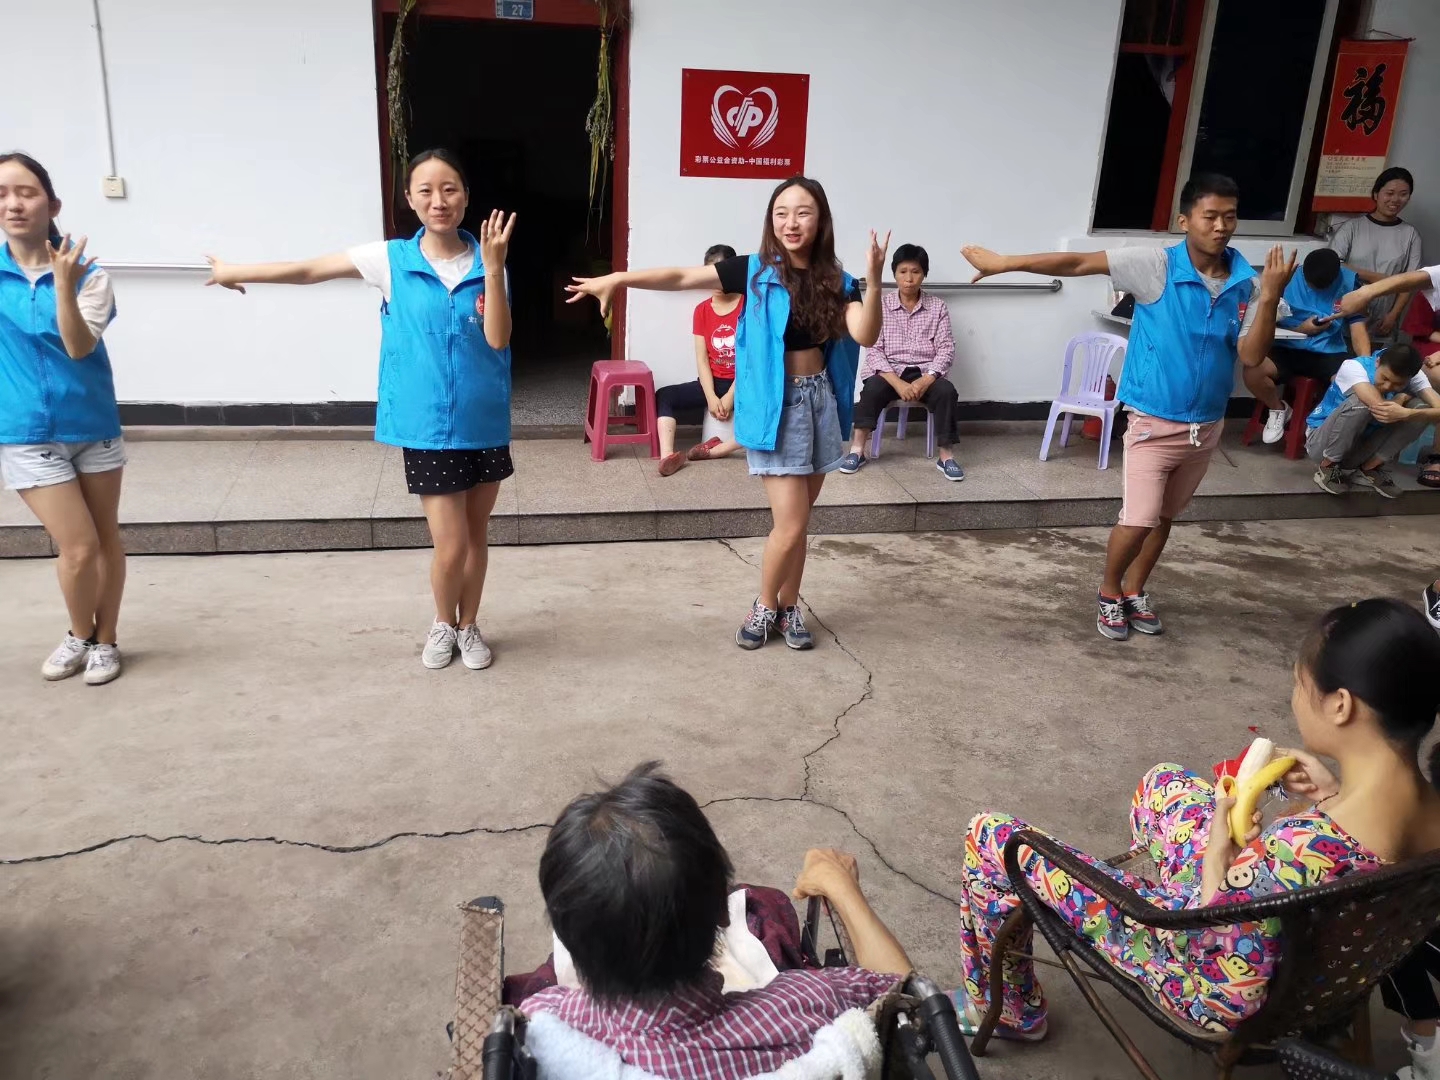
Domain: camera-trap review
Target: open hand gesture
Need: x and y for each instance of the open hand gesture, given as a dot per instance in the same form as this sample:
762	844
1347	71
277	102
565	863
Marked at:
987	262
68	263
495	240
1278	271
875	256
220	275
601	288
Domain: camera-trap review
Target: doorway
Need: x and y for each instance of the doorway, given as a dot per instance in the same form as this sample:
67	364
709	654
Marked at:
526	151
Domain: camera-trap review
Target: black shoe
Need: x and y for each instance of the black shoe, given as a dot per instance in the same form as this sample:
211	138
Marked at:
1432	605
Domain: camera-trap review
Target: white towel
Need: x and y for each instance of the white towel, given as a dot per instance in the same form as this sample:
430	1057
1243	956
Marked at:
740	956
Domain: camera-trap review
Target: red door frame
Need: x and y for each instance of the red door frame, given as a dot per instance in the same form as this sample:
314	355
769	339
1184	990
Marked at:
547	13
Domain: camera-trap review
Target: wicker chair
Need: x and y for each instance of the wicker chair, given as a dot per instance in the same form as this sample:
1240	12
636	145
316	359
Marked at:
1336	942
1302	1061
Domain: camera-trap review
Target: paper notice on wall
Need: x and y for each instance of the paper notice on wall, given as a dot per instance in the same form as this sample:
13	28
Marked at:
1347	176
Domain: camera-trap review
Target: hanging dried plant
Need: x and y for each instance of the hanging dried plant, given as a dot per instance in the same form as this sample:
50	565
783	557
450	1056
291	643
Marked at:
396	104
600	120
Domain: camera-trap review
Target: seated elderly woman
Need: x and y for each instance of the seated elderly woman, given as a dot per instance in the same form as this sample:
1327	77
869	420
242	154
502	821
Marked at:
636	885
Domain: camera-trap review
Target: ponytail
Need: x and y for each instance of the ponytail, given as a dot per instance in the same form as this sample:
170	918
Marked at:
1385	654
45	183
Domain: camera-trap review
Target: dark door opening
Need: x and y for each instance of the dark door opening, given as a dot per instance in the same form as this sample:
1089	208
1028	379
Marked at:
525	149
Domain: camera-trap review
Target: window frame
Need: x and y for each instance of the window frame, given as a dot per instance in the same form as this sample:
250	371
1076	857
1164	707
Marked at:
1194	53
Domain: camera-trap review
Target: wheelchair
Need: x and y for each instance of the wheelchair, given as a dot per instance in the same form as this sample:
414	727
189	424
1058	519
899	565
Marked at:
913	1021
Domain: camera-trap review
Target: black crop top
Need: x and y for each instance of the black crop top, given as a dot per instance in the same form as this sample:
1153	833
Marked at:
735	278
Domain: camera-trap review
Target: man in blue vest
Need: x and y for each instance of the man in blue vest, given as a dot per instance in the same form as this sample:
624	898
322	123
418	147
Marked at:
1199	306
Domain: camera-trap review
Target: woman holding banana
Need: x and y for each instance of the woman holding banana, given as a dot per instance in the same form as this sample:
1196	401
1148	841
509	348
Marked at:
1358	699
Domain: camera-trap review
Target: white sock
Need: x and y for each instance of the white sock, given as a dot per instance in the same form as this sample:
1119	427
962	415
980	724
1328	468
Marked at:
1422	1043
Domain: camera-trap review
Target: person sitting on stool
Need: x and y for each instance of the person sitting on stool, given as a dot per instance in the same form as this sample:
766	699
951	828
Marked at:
1311	297
909	362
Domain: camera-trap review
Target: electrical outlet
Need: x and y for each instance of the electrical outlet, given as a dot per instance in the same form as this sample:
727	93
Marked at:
113	187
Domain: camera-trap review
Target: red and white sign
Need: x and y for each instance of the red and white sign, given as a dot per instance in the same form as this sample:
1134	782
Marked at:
746	124
1363	99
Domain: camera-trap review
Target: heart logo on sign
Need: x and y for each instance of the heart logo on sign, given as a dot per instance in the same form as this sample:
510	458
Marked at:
747	121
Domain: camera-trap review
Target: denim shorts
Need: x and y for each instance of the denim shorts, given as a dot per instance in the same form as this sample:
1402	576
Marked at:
808	441
32	465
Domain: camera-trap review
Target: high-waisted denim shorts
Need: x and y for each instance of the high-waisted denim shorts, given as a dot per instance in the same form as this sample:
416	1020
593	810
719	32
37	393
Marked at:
808	441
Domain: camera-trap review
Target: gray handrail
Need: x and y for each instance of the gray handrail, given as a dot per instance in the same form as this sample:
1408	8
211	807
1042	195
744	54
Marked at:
106	264
1053	285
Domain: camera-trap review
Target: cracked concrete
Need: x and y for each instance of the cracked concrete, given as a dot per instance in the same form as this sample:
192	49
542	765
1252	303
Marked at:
243	858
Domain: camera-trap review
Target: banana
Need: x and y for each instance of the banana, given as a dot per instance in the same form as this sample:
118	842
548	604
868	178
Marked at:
1256	758
1247	792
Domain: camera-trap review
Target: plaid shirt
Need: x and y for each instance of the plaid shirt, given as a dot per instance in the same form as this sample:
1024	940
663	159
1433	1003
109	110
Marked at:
921	338
704	1034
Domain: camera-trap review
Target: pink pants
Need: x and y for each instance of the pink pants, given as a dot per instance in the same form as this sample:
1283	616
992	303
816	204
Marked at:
1163	467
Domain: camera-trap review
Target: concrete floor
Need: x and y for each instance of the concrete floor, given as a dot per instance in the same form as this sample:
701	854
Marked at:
243	858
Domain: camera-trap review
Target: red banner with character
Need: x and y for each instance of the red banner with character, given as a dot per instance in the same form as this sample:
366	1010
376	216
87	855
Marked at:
746	124
1359	122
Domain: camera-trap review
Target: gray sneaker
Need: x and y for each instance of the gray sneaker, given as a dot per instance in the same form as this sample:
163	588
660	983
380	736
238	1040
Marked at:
757	628
68	659
1380	481
1332	479
102	665
474	653
792	626
439	646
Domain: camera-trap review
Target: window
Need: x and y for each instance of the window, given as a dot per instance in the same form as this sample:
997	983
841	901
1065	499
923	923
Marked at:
1228	86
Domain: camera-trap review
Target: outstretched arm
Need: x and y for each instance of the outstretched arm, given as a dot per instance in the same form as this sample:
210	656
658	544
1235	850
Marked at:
307	272
494	246
1356	301
835	876
669	279
1053	263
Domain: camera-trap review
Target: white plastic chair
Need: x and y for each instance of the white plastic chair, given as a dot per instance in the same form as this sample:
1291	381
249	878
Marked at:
1088	396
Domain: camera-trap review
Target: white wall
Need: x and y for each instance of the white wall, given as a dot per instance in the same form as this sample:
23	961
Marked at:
947	121
1415	144
243	128
249	129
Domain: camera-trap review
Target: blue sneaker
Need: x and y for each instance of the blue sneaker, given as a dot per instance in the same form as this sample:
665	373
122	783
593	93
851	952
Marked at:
792	626
951	469
852	463
758	626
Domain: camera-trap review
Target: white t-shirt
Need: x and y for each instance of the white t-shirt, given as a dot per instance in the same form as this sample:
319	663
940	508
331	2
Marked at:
1143	271
1432	294
96	298
373	262
1352	373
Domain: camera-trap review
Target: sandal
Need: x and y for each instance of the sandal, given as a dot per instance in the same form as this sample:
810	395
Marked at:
1429	475
702	452
967	1018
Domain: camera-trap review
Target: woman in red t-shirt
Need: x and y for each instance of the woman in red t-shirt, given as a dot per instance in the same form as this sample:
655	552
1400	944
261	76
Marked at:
716	319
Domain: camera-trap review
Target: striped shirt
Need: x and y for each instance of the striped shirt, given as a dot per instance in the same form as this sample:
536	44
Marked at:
921	338
701	1033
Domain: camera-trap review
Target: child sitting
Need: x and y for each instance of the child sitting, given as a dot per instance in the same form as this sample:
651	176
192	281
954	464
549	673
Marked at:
1371	412
1311	297
716	319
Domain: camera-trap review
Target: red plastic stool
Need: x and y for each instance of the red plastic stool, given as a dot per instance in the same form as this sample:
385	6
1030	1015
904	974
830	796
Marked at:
607	378
1303	394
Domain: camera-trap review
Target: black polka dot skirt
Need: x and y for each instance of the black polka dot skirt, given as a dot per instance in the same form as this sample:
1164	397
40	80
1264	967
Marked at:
444	472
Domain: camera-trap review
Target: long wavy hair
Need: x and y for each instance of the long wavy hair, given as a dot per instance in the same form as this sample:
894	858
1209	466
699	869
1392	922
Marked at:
817	295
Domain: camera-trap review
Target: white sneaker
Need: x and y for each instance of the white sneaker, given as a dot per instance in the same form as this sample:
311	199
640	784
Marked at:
1424	1060
68	659
103	665
439	646
1275	424
474	653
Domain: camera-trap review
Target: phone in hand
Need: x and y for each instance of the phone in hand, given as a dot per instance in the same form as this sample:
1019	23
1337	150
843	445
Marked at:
1322	320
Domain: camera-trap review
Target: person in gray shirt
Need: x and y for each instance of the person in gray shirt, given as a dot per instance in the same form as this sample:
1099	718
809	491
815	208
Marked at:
1378	244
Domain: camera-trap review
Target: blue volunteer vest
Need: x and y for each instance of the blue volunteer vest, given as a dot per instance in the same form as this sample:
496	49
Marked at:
44	395
760	361
1334	398
442	387
1306	302
1180	364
